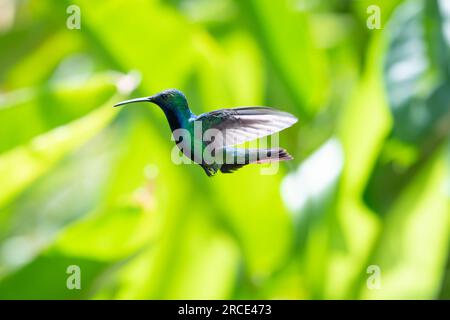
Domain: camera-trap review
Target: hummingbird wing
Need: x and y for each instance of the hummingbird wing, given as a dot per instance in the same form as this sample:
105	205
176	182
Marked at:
243	124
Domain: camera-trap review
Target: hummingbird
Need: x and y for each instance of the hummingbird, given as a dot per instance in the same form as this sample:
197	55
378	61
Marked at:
230	127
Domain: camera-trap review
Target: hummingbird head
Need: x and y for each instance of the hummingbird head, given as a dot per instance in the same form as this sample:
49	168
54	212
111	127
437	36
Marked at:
167	99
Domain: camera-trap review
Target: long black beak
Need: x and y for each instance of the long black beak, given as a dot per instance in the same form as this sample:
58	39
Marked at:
146	99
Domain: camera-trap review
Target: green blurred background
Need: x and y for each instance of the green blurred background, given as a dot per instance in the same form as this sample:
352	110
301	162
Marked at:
82	183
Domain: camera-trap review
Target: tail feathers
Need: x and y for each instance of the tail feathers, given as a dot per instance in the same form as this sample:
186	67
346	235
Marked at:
272	155
258	156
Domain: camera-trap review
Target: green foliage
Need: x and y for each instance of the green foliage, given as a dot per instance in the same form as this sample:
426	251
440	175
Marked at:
86	184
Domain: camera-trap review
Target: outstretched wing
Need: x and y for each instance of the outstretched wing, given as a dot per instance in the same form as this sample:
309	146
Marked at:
243	124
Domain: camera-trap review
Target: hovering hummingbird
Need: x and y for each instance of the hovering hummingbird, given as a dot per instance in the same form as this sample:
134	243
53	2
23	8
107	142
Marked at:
231	127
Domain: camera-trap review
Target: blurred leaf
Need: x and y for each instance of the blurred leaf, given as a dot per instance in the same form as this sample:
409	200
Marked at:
35	24
22	165
46	277
39	109
417	70
310	193
418	221
53	201
418	87
297	64
363	126
29	71
148	37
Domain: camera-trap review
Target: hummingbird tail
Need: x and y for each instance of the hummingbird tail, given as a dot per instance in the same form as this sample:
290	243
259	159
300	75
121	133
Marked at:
272	155
256	156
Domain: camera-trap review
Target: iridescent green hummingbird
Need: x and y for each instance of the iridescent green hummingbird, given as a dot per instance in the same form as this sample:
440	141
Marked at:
219	131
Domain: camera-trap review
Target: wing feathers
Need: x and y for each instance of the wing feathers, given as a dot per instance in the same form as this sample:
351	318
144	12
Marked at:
243	124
